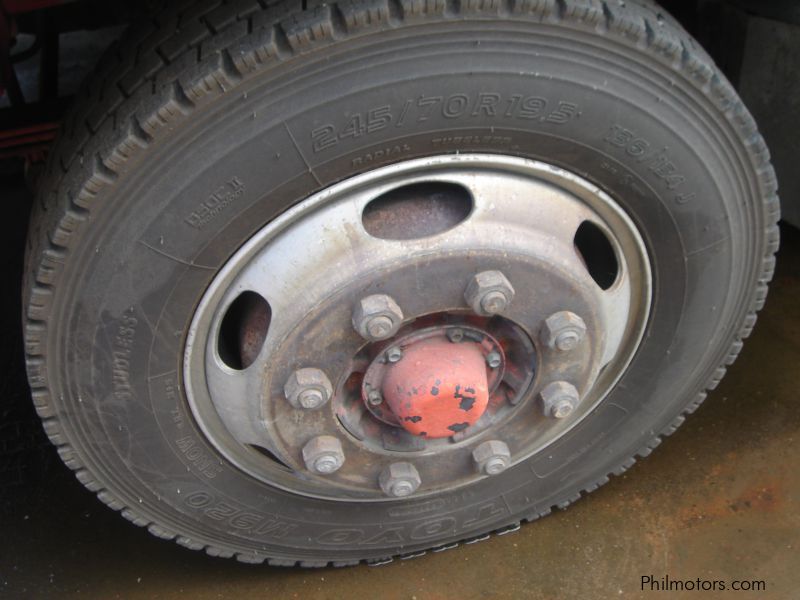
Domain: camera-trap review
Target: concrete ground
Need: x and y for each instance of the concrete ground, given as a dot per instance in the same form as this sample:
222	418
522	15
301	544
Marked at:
719	500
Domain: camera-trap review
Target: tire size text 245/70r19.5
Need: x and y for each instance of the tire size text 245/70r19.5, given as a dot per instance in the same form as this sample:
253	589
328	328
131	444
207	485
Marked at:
204	126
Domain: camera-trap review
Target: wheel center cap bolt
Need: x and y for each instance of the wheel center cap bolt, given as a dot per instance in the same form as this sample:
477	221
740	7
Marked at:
455	335
494	360
394	354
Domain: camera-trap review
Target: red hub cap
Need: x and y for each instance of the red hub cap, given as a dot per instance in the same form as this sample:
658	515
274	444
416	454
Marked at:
438	388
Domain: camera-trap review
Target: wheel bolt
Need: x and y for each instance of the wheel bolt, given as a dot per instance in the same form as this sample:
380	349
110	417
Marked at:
493	359
489	293
399	479
394	354
323	455
494	302
374	397
559	399
492	457
377	317
562	409
379	327
455	335
311	399
308	389
402	488
563	331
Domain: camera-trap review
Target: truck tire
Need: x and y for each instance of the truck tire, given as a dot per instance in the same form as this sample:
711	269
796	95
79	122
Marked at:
568	188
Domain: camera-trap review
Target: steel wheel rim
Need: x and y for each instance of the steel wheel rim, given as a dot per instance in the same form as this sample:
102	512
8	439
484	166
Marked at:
201	364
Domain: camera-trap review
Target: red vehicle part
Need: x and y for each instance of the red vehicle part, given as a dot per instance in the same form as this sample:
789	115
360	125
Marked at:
438	388
27	139
30	141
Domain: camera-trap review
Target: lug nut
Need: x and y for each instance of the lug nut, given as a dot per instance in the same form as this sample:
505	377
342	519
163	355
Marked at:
308	389
399	479
563	331
492	457
394	354
377	317
323	455
559	399
494	360
489	293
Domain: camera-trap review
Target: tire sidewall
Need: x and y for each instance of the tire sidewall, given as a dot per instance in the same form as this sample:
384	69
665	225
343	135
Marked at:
140	270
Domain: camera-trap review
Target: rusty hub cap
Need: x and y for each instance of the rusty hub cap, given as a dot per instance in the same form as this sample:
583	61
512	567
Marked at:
408	317
437	388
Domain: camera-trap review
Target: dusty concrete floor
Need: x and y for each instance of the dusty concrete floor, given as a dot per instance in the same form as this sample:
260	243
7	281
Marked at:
719	500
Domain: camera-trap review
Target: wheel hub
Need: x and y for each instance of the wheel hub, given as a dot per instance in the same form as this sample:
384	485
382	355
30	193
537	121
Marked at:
439	387
391	357
432	386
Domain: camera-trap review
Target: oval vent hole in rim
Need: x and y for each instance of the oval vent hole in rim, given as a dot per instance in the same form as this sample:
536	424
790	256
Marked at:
417	210
243	330
598	255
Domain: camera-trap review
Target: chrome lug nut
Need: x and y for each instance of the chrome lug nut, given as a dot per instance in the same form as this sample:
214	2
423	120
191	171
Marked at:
399	479
563	331
323	455
377	317
492	457
494	360
489	293
559	399
308	389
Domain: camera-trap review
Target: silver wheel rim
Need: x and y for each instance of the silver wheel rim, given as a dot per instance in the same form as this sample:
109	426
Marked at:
524	214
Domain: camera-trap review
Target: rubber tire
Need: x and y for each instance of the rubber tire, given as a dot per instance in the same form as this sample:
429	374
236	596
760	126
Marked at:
205	124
